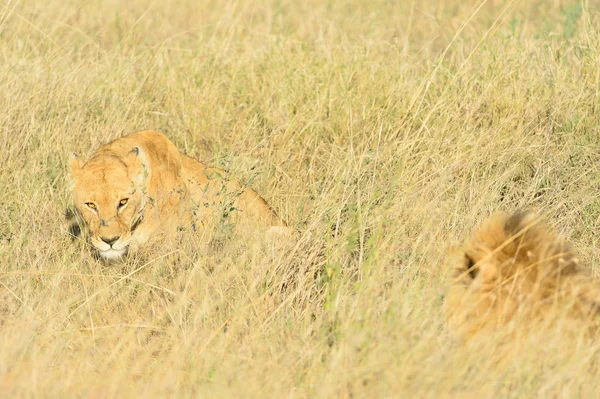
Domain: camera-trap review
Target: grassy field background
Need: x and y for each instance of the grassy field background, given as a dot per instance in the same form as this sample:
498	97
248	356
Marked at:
383	131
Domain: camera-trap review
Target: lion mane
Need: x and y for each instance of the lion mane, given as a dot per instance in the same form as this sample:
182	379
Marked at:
514	270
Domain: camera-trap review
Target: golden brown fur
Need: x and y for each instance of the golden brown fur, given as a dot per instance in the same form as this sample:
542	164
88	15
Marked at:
139	187
515	271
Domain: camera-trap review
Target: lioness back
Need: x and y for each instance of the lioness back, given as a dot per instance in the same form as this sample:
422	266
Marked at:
139	187
206	186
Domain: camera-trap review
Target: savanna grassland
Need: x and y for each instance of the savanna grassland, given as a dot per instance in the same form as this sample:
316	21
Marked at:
383	131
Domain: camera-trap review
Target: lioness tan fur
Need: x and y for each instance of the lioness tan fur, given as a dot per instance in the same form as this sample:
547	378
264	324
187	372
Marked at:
515	271
140	186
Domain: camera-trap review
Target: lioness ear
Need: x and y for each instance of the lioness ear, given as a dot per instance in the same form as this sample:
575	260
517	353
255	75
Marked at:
75	165
138	167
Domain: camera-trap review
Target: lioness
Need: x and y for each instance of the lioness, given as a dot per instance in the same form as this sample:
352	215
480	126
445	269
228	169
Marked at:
140	186
515	271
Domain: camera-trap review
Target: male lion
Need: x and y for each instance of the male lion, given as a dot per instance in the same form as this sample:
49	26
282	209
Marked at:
140	186
515	271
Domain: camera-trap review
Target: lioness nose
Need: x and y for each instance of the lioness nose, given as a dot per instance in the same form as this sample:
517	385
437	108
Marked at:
109	241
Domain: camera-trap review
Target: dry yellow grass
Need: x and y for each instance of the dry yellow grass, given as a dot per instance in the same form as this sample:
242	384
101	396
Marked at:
382	130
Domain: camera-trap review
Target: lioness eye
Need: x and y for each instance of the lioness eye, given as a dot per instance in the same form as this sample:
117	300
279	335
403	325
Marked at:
90	205
123	201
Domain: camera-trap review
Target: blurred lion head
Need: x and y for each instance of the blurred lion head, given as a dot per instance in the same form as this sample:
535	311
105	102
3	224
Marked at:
515	271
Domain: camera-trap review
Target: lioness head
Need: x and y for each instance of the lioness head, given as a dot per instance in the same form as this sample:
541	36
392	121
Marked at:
108	194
